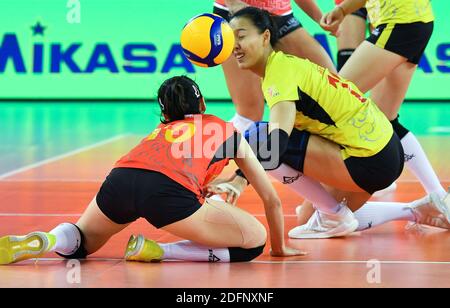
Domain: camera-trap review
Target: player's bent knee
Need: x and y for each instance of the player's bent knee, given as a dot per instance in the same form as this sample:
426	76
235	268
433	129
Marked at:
238	254
254	233
81	252
399	129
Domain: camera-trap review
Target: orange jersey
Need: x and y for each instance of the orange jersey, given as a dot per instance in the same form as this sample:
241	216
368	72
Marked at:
276	7
185	151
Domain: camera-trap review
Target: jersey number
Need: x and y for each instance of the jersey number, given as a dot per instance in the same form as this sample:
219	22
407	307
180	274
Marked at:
182	131
335	80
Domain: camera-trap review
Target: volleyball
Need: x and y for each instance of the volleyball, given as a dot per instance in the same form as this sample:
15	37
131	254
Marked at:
207	40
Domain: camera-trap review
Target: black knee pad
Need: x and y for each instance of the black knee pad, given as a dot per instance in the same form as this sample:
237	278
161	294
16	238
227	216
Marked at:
342	57
245	254
296	151
81	252
399	129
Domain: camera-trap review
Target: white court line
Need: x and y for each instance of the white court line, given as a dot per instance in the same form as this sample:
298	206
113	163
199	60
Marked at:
37	215
439	129
59	180
58	157
79	215
285	262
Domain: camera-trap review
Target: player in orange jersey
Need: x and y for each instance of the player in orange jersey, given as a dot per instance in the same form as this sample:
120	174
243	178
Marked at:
164	179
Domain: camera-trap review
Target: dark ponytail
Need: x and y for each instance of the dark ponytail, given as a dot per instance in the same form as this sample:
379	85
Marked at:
177	97
262	20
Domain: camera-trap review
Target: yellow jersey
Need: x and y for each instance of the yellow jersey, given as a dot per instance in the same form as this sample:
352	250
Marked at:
327	105
399	11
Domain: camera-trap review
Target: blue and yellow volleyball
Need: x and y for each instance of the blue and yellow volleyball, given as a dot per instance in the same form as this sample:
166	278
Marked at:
207	40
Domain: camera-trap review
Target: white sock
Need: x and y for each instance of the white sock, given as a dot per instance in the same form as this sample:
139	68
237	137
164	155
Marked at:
241	123
418	163
68	239
306	187
190	251
372	214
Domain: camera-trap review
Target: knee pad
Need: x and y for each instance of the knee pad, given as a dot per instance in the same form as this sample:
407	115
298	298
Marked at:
238	254
399	129
256	134
81	252
296	149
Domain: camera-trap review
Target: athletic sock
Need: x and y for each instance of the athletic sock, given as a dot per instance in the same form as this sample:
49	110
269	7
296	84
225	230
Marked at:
417	161
373	214
190	251
241	123
307	187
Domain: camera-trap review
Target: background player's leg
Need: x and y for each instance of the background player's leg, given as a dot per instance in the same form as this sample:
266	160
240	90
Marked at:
299	43
368	65
245	90
352	34
389	95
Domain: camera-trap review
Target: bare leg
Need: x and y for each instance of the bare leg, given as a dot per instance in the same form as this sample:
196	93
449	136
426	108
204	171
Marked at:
390	92
245	90
352	32
322	154
370	64
214	220
299	43
97	228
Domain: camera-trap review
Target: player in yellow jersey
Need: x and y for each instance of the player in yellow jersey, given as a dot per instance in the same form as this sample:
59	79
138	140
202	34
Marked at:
385	63
244	86
322	129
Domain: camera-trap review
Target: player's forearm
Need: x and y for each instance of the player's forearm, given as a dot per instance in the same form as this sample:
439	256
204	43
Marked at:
349	6
311	8
275	219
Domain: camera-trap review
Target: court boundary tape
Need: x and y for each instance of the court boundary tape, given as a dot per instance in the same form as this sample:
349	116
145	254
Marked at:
62	156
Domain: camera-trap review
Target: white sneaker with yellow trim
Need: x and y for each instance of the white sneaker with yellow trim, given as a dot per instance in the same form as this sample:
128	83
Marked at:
15	248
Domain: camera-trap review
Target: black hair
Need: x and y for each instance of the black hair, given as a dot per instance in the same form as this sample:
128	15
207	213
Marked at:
177	97
262	19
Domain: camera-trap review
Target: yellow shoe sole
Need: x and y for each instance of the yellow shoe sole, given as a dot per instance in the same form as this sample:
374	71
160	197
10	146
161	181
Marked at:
18	248
143	250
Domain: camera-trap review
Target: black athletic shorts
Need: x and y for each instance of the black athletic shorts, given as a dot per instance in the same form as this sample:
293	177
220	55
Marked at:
285	24
362	12
377	172
406	40
128	194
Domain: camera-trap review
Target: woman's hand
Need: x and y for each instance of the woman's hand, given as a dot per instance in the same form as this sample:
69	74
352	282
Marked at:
232	188
287	252
330	21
